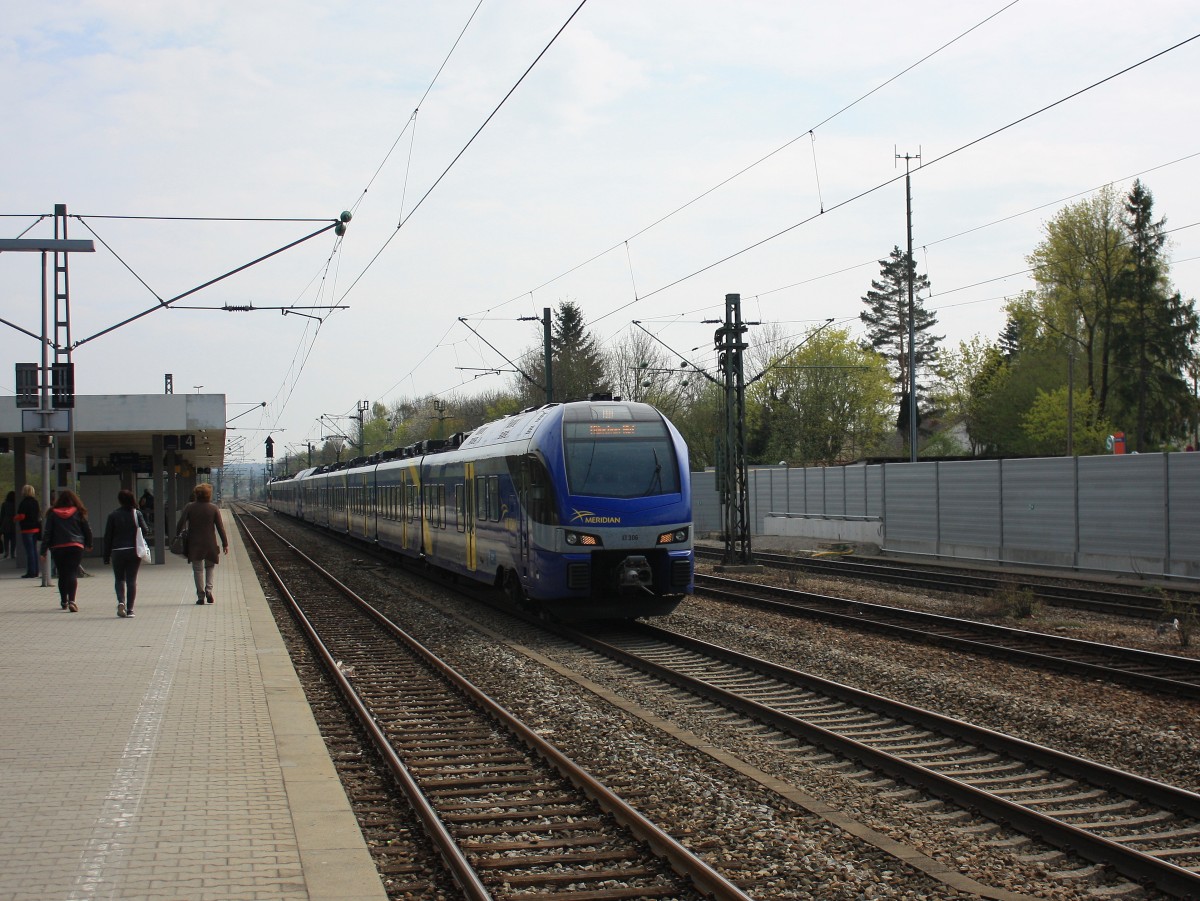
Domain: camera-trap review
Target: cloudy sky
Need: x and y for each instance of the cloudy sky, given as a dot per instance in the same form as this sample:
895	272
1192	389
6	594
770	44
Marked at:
658	156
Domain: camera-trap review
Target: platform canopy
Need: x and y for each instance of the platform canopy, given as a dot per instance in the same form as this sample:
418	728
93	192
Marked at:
117	431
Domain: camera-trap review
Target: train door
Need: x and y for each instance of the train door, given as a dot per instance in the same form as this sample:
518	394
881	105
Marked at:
523	523
469	507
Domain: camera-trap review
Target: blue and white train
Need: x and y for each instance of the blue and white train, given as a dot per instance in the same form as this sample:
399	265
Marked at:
582	509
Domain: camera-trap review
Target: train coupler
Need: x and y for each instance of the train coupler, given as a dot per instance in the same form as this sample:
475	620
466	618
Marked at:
634	573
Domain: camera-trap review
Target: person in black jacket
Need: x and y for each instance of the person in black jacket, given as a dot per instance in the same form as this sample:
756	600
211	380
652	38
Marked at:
66	535
120	546
8	528
29	523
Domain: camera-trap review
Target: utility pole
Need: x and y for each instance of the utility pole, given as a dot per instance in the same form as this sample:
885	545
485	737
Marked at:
547	351
912	332
63	373
1071	402
730	344
363	406
33	379
439	408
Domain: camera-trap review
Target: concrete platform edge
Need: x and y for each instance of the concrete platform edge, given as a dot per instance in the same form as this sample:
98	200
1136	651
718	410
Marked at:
337	865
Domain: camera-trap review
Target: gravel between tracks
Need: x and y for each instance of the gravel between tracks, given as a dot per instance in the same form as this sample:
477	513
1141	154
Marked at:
786	851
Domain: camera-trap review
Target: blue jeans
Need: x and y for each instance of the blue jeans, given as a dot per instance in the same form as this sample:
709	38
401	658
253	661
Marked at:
30	541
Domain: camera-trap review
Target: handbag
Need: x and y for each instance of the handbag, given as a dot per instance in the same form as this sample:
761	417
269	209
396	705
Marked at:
179	544
139	539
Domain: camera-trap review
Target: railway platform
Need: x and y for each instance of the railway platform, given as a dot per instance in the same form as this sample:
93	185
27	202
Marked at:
168	756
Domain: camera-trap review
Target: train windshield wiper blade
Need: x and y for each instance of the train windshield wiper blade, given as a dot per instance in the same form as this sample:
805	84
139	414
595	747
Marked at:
655	479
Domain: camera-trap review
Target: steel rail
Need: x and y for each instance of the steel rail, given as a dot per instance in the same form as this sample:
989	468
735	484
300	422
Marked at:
1117	603
460	868
1175	880
706	879
992	640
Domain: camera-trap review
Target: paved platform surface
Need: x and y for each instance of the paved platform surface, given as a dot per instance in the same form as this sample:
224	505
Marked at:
168	756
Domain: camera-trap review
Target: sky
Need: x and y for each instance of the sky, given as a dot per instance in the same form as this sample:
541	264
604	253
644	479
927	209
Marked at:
643	162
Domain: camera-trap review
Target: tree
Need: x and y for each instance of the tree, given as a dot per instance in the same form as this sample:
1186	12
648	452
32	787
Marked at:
886	318
1002	392
1153	330
642	370
956	373
1104	306
701	420
824	402
575	355
1077	267
1044	424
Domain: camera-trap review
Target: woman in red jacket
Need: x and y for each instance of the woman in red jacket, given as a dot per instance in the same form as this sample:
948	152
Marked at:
66	535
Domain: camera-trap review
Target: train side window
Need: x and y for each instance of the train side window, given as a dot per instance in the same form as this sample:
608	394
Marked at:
460	507
441	500
481	499
493	491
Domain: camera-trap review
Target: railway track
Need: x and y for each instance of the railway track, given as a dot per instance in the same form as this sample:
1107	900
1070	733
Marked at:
1164	673
508	813
1139	604
1146	830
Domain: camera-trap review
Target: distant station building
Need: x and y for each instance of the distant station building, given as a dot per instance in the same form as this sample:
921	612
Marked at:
158	445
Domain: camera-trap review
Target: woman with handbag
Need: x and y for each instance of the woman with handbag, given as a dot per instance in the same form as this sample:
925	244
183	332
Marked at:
126	545
66	535
202	520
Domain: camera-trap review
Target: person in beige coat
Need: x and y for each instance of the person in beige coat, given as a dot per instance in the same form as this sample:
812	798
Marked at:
202	518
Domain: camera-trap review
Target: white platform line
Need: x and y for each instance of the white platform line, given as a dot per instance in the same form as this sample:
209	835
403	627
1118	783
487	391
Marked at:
105	849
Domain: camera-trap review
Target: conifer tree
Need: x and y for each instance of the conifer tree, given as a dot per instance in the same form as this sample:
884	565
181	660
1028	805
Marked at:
576	356
886	318
1154	329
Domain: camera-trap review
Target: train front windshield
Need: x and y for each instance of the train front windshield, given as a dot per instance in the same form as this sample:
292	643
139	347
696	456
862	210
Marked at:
613	458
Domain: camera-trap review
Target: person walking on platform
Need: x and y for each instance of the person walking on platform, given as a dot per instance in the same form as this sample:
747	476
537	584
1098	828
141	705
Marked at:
66	535
29	521
201	517
146	505
8	528
120	547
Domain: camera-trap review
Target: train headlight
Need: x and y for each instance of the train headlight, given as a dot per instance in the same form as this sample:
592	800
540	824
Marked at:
583	539
675	537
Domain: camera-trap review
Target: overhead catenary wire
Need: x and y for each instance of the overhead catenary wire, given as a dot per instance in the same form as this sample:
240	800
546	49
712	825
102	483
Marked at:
458	156
742	171
871	262
860	195
868	191
358	201
764	158
413	117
